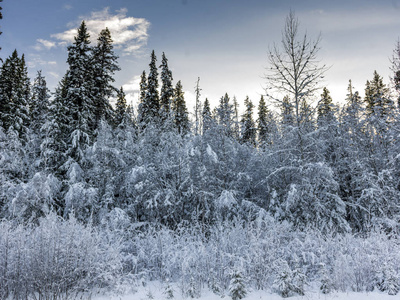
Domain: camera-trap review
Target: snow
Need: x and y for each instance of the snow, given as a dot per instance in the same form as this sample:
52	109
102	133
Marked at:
156	291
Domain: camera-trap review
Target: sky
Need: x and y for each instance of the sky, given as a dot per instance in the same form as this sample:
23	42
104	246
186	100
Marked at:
224	42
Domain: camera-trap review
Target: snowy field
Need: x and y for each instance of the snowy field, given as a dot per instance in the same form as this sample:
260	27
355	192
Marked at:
155	291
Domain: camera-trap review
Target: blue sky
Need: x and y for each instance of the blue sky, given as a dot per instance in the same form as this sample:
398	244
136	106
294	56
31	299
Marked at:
224	42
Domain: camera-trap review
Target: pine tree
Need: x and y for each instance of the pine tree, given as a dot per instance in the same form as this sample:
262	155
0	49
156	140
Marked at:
236	124
120	108
15	94
237	287
225	115
167	90
80	101
325	109
206	116
151	103
376	97
262	123
143	106
181	116
396	71
248	125
104	63
40	102
56	131
287	112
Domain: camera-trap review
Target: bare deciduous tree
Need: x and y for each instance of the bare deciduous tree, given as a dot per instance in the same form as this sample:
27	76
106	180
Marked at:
294	68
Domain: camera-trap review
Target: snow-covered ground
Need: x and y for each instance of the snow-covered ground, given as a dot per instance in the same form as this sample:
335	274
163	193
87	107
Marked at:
155	291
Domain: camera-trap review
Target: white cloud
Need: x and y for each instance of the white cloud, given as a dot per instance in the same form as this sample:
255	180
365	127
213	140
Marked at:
128	33
132	90
44	43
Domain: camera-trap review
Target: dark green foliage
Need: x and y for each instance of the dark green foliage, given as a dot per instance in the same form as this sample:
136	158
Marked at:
151	103
104	64
14	94
325	109
181	116
376	97
167	90
206	116
120	108
248	126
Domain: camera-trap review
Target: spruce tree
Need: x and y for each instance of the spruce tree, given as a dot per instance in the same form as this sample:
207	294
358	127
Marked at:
151	103
248	125
120	108
236	124
181	116
325	109
56	131
262	122
225	113
206	116
40	102
15	94
80	100
142	107
167	90
104	63
287	113
396	71
376	97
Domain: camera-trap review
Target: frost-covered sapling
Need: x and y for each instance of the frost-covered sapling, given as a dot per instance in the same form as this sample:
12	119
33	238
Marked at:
237	286
168	290
387	280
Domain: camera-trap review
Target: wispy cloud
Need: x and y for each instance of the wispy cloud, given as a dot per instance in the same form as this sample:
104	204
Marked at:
128	33
36	61
132	90
67	6
44	44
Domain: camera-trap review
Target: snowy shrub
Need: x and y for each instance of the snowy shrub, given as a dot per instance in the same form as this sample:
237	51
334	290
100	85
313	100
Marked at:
237	286
288	282
387	280
55	260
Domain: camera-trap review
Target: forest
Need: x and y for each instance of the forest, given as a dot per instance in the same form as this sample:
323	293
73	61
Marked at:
298	193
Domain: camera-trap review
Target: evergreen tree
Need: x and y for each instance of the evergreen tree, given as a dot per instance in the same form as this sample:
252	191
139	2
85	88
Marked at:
14	94
376	97
56	131
151	103
306	117
120	108
396	71
80	100
237	286
236	126
39	104
263	122
104	63
167	90
143	105
181	116
225	113
206	116
325	109
248	125
287	112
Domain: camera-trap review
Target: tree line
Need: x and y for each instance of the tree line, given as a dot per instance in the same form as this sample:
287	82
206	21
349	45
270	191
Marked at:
311	164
